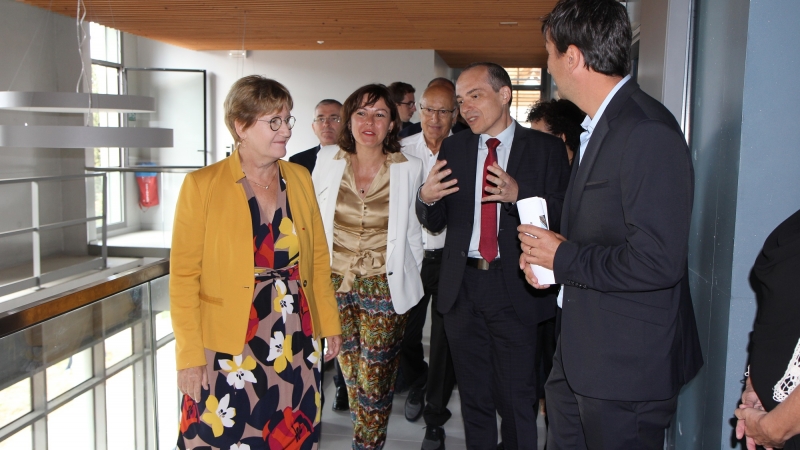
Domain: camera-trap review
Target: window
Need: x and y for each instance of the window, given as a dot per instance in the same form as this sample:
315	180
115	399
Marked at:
526	84
106	53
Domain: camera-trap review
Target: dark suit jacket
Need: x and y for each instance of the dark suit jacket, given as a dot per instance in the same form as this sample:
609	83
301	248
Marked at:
307	159
539	164
628	331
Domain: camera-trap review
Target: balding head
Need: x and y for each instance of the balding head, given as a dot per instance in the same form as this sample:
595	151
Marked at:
438	114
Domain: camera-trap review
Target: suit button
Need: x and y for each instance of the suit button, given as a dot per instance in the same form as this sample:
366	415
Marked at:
463	254
305	283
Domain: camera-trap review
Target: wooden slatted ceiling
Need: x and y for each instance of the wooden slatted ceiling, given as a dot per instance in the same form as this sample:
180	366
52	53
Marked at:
460	31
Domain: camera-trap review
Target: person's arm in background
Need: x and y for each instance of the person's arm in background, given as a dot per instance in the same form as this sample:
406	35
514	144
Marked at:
186	261
324	298
770	429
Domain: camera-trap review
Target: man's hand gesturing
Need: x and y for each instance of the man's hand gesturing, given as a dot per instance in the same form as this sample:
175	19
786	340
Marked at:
434	189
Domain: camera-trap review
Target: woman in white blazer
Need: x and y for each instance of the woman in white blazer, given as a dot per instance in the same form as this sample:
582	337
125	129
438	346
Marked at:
366	190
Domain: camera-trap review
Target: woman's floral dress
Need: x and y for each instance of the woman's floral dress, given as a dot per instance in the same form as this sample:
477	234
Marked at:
267	397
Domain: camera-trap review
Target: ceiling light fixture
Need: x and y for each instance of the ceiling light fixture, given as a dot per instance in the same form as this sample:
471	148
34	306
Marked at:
509	23
237	53
320	42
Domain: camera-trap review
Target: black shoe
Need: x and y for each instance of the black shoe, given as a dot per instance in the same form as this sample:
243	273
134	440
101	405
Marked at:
415	403
340	401
434	438
500	446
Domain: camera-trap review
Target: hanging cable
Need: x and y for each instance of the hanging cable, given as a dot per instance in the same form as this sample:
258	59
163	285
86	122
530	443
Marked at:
81	33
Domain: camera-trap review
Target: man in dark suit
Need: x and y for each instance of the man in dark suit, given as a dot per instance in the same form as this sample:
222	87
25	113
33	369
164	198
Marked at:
490	314
628	335
326	125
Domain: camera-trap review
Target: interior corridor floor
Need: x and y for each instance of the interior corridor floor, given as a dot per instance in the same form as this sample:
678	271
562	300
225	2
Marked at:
337	429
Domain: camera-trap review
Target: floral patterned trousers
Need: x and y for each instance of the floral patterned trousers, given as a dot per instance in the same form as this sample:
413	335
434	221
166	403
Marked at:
371	335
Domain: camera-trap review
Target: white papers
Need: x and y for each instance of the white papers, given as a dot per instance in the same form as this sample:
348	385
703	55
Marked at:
533	211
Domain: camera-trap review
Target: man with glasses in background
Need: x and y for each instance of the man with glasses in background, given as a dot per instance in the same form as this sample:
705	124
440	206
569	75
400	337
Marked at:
326	125
438	114
415	128
403	96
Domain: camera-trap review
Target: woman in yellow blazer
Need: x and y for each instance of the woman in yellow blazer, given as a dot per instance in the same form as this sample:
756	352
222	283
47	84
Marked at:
250	286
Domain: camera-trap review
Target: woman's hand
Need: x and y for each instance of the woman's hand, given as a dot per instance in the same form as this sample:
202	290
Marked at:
334	344
749	416
192	379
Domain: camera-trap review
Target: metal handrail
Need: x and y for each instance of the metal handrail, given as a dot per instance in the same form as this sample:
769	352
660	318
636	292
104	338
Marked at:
43	310
36	228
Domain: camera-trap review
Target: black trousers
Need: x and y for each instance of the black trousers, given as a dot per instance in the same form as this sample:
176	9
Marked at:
441	374
578	422
412	354
492	350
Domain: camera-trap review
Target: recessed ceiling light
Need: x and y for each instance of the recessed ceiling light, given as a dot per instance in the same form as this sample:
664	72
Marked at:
508	23
320	42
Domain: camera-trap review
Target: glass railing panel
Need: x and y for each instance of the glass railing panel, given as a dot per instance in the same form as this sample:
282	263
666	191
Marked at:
72	425
168	398
82	380
21	440
120	410
68	373
15	402
119	347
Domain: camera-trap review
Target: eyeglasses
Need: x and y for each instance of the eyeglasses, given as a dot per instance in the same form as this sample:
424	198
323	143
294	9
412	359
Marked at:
276	122
332	119
409	104
442	112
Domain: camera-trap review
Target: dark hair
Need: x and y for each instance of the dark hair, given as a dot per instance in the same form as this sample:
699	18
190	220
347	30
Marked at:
367	96
600	29
251	97
328	101
442	80
498	77
561	117
398	90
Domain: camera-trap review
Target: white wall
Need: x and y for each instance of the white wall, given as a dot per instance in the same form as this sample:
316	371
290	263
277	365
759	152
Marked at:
309	75
39	52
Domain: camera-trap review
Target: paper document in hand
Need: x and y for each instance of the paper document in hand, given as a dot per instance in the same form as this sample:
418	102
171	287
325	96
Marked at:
533	211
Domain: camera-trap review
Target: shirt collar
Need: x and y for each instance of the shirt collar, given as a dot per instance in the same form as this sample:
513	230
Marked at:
588	123
505	137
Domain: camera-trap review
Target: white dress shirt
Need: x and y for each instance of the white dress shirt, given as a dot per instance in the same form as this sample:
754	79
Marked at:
415	146
588	124
506	137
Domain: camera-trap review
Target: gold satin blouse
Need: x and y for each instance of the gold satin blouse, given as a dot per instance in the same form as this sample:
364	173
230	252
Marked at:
361	226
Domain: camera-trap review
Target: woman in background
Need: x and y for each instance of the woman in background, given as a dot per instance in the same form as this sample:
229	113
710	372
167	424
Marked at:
770	411
366	190
250	287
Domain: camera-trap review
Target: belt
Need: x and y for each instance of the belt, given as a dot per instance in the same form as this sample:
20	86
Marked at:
482	264
433	254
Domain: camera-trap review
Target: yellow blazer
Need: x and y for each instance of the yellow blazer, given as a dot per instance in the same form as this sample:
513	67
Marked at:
211	265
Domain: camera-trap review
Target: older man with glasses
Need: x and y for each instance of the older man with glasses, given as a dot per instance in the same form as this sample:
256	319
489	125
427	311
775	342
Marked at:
326	125
438	111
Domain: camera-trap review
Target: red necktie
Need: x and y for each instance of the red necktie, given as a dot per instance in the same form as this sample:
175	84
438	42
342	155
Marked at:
488	242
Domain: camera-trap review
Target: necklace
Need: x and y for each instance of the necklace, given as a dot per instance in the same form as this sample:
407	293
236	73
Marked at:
259	185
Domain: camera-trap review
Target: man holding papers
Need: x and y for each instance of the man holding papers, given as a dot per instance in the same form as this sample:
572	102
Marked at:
490	313
628	335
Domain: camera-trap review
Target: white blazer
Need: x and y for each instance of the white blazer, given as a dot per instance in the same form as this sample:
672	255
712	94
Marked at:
404	237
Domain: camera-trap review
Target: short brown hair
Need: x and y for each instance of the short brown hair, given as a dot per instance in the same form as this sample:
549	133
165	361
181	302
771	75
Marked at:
251	97
370	93
398	90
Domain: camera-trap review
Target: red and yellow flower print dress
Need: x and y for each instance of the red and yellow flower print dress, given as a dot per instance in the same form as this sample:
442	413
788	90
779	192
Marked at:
267	397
